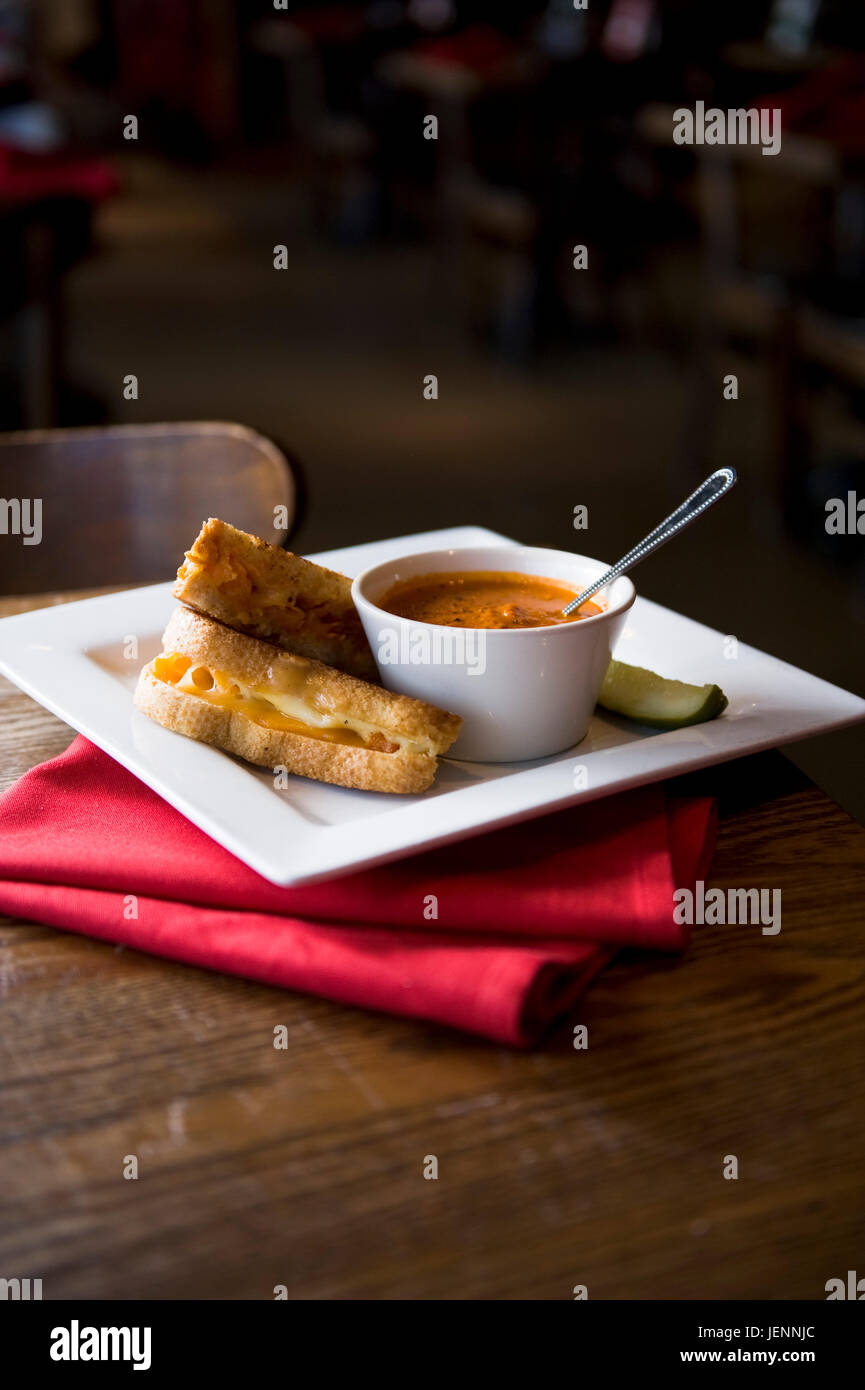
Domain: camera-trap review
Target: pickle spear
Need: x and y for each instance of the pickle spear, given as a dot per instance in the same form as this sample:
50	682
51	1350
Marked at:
651	699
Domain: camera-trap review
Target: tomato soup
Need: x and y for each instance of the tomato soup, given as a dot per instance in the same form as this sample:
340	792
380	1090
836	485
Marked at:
484	598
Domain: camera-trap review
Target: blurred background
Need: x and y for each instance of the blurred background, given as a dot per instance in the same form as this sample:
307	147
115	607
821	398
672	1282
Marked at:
147	248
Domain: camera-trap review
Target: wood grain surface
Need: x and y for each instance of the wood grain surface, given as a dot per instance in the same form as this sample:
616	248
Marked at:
304	1167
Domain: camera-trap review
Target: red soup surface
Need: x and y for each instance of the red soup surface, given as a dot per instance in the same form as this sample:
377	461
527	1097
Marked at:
484	598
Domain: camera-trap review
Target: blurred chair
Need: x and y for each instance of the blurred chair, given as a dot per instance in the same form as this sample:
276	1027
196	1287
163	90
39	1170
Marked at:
484	233
450	75
120	505
333	148
768	232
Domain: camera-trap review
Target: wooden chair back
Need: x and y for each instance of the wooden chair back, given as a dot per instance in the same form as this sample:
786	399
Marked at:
120	505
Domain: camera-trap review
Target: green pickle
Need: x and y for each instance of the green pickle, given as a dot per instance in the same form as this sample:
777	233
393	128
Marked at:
651	699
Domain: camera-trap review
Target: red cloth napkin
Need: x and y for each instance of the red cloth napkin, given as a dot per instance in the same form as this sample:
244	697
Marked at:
526	915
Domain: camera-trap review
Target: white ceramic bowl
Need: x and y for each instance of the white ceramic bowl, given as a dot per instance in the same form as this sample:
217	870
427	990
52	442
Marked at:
522	692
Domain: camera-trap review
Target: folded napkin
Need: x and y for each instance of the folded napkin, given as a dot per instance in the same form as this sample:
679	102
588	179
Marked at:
497	935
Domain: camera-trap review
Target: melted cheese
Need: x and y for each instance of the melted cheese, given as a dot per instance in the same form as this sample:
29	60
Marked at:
271	708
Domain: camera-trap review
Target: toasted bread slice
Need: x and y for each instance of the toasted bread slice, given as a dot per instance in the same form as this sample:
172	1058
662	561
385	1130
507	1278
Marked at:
269	593
277	709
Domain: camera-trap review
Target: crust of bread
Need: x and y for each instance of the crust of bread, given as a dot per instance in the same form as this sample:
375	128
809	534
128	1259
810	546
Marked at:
340	764
267	592
262	666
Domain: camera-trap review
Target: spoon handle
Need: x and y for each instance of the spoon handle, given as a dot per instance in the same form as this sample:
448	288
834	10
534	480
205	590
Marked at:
698	502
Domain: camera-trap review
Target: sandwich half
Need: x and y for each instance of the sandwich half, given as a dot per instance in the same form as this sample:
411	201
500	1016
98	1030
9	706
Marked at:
278	709
267	592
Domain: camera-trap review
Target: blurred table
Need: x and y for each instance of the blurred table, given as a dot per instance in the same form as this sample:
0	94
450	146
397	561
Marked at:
304	1167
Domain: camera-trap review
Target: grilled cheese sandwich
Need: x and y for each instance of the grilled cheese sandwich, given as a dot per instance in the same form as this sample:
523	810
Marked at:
279	709
267	592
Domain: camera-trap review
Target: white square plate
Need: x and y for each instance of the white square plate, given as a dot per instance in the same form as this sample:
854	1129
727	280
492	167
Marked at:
72	659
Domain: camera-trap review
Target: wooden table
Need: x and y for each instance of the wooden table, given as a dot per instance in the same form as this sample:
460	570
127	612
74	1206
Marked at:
556	1168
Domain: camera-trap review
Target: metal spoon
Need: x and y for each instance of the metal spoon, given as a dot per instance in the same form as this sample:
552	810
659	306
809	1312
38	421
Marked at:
693	506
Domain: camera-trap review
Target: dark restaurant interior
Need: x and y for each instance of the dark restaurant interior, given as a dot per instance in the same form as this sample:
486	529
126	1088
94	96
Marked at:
302	127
